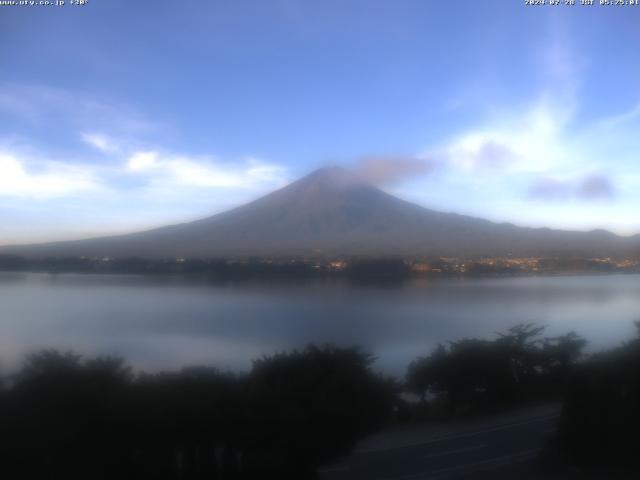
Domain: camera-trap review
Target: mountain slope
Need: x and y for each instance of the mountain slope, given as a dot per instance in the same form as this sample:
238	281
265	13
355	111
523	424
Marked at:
332	211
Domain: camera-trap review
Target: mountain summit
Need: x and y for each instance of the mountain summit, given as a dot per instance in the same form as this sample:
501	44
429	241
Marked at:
333	211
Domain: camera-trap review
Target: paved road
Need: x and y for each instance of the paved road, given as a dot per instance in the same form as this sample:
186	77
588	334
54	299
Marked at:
499	447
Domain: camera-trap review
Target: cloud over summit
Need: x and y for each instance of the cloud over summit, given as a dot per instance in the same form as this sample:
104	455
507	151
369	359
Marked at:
389	169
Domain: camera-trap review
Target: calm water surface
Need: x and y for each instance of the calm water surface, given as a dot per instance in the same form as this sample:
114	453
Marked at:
167	323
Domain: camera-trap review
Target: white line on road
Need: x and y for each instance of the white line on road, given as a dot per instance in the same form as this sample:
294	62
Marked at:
457	436
489	464
452	452
333	469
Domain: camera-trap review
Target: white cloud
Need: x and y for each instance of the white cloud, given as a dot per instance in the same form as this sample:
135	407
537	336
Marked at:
124	180
43	199
142	161
167	170
534	139
122	134
19	178
101	142
529	142
262	172
502	167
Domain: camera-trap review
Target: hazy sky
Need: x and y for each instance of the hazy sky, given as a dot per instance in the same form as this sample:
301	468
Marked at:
120	115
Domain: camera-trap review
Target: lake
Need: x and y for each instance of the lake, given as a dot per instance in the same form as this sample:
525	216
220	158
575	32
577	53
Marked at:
170	322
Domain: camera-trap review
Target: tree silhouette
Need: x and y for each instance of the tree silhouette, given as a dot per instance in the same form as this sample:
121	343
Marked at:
600	417
66	417
473	375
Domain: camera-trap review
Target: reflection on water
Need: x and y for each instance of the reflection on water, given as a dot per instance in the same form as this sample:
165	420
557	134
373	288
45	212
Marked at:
169	322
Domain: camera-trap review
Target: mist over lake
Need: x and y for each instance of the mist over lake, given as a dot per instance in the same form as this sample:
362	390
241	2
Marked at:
170	322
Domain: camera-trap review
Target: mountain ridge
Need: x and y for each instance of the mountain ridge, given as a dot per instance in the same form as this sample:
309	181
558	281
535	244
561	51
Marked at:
332	211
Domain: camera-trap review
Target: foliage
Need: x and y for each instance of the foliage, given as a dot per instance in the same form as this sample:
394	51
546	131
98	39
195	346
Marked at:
69	418
601	415
475	374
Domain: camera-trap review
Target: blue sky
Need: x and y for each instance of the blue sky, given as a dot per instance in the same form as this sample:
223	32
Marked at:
121	115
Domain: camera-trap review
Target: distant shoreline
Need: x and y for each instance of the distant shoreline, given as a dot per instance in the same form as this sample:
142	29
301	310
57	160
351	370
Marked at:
360	269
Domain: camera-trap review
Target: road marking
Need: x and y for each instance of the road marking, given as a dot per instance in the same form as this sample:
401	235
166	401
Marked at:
337	468
452	452
457	436
489	464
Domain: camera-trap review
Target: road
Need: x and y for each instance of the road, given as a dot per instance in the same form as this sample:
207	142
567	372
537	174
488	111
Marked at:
503	446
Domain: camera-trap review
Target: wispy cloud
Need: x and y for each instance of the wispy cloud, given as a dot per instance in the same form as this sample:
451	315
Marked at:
72	111
515	142
156	172
143	189
100	141
533	138
622	119
127	152
170	170
43	180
